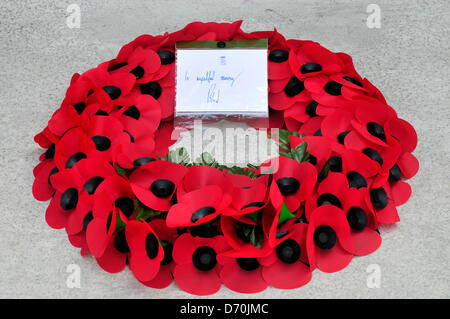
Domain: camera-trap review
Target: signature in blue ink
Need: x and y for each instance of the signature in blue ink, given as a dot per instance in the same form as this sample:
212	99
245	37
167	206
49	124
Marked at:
230	78
213	94
208	77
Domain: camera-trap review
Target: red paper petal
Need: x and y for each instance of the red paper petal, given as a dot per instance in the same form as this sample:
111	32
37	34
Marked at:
143	267
408	164
163	279
365	241
196	282
112	260
287	276
239	280
400	192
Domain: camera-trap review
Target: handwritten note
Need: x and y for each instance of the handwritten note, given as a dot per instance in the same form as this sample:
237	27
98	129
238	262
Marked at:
231	81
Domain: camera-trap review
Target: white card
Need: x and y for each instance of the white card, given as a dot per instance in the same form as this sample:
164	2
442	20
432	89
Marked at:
221	81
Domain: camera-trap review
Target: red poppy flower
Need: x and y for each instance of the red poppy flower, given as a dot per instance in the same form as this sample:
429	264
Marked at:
352	86
381	201
237	234
116	85
196	269
211	31
161	86
292	183
146	252
312	126
93	172
167	237
403	132
67	117
113	199
408	166
278	66
68	184
287	266
293	91
248	196
198	177
198	207
358	168
106	132
318	148
334	90
73	147
140	108
165	136
329	240
276	226
312	59
141	62
336	126
241	272
370	121
85	98
46	138
331	191
301	112
275	39
42	187
155	183
79	241
114	257
137	145
362	221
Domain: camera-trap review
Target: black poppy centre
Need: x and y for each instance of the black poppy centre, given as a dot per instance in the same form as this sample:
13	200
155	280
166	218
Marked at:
325	237
288	251
204	258
162	188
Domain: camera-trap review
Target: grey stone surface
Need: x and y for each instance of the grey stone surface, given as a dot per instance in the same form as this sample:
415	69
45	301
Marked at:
407	59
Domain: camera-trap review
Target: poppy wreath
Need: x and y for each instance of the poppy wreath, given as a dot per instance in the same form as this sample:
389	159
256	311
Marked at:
124	198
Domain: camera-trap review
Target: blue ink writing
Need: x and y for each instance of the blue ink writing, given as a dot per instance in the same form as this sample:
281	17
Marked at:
213	94
230	78
208	77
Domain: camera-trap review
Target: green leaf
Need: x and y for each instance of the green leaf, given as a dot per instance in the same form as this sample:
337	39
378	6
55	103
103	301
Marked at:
283	136
252	233
121	171
255	216
119	223
285	214
256	236
241	171
206	159
144	212
163	243
285	153
299	151
178	156
324	172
